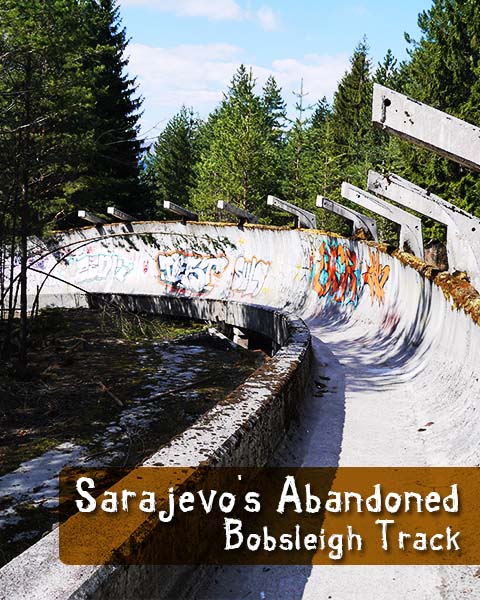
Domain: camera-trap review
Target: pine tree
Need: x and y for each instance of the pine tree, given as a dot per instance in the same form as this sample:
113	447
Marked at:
321	112
237	162
113	175
351	115
387	72
356	146
296	155
275	107
170	170
67	121
43	122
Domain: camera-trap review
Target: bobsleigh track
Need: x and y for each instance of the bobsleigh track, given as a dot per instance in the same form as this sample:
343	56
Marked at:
396	345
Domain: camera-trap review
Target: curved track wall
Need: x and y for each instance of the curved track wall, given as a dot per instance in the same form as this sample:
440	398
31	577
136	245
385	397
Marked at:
402	318
402	360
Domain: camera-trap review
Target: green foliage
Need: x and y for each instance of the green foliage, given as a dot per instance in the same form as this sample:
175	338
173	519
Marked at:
275	107
43	90
387	72
68	114
247	149
136	327
112	172
239	162
68	119
296	157
354	140
170	167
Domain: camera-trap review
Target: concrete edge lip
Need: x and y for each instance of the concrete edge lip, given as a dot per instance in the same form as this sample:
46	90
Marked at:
247	432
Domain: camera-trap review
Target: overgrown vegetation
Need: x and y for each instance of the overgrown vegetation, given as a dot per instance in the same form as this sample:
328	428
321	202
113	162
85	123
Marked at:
68	136
111	396
68	132
136	327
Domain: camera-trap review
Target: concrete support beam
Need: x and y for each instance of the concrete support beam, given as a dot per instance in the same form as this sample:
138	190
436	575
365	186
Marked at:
187	215
240	338
411	238
242	215
304	219
463	229
426	126
90	217
358	220
119	214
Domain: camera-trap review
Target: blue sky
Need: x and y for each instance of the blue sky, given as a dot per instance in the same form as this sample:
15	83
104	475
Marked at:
186	51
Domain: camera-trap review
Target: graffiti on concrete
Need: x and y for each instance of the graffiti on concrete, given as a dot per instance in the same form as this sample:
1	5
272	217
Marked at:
93	266
249	275
376	276
188	272
336	274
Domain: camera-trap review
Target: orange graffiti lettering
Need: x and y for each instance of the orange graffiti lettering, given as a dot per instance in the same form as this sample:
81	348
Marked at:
376	276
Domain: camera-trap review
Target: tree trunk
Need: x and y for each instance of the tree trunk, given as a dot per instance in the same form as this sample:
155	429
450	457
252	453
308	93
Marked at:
24	217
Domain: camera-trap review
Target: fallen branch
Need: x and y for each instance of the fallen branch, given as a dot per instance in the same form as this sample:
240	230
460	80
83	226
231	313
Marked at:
105	390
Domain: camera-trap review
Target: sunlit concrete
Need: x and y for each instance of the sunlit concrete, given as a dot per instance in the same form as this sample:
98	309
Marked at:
358	220
463	229
396	353
426	126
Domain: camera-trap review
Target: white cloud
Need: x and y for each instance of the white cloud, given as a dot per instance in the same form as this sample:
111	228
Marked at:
197	75
194	75
268	19
320	74
219	10
215	10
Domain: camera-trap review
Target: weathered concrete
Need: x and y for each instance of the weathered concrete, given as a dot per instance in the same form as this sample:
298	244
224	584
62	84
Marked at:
242	215
426	126
119	214
411	238
90	217
176	209
396	345
303	217
244	429
463	229
359	220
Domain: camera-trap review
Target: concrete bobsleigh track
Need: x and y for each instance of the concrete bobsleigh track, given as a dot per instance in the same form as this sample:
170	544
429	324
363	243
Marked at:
394	346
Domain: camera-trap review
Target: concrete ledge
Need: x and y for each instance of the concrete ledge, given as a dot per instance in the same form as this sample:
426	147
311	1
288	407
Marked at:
242	430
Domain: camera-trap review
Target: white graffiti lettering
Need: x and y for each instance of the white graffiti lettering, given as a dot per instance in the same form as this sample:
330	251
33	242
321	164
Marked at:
249	275
193	273
99	267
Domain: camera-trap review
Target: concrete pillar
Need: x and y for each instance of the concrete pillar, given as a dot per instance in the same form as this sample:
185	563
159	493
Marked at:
242	215
90	217
186	215
463	229
359	220
304	219
411	238
239	337
119	214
